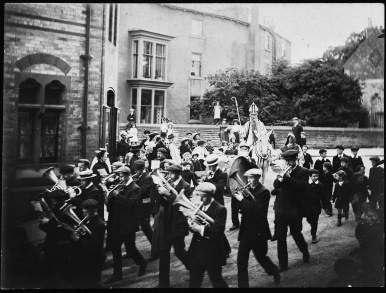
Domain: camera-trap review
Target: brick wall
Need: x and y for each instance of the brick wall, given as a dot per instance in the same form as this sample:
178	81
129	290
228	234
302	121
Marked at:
316	137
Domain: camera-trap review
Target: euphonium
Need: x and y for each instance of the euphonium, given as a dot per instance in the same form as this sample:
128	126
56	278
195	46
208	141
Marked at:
161	181
80	228
59	184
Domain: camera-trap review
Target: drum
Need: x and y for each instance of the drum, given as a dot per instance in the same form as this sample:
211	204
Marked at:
232	164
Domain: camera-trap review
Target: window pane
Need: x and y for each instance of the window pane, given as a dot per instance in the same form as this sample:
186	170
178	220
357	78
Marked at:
49	142
194	115
135	59
159	104
146	106
196	27
147	48
25	136
160	68
196	65
160	50
53	92
134	98
28	92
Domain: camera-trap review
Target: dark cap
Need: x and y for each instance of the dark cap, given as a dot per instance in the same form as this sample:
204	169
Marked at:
340	147
313	171
189	133
152	135
174	168
135	148
58	194
341	174
123	169
375	158
187	163
138	164
89	204
290	154
162	150
344	159
322	151
146	132
163	134
328	165
200	142
66	169
170	136
355	149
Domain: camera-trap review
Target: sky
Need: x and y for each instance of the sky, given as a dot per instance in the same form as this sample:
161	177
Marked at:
312	28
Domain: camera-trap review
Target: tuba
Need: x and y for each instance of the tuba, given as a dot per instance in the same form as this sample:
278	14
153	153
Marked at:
59	183
193	213
79	227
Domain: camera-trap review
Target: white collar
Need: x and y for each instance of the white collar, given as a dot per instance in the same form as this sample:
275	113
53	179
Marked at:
310	181
128	182
340	183
88	186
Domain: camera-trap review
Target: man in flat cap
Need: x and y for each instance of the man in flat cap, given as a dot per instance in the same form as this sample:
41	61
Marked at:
319	162
344	162
88	249
122	146
289	209
254	230
376	180
355	159
174	225
122	204
147	197
337	157
57	244
206	249
174	151
67	173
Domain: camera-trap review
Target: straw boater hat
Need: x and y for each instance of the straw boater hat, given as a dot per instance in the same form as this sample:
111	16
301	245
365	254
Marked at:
195	134
86	175
211	160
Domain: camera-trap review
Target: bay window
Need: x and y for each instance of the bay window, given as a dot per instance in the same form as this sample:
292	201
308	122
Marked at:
147	60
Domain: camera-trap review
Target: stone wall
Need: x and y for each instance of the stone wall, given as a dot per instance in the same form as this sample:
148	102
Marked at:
316	137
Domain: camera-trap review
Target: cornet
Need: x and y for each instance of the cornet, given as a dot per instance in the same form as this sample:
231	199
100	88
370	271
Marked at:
285	171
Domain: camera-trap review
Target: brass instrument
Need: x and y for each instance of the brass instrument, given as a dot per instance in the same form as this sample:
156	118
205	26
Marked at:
285	171
80	228
243	188
192	212
161	181
114	187
136	176
104	180
210	174
59	183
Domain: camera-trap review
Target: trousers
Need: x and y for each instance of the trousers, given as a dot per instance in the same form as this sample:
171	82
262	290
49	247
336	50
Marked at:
296	227
214	272
164	259
144	222
312	219
259	249
235	211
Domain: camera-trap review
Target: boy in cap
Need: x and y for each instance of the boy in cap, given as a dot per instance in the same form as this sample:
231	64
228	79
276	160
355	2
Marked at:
355	159
197	165
341	195
319	162
187	173
289	208
122	205
376	180
336	159
88	249
254	230
206	248
315	200
344	166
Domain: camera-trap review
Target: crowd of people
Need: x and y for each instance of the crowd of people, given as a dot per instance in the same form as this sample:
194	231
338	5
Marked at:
151	177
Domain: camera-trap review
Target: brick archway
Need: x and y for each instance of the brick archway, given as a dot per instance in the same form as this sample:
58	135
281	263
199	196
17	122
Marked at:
39	58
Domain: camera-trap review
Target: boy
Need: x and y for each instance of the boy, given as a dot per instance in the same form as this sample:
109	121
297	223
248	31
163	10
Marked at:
341	196
336	159
355	159
187	173
319	162
376	180
344	167
196	163
360	193
315	199
308	162
328	181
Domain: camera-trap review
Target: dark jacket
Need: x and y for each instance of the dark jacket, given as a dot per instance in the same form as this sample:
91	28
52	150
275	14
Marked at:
349	173
376	180
123	209
296	130
132	160
175	223
289	203
355	162
336	162
122	148
73	182
131	118
188	176
145	182
342	195
319	164
185	149
328	181
90	193
315	198
307	161
197	166
208	251
97	166
220	180
254	223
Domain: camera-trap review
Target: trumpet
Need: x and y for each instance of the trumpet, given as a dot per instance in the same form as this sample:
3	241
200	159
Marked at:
136	176
192	212
110	176
161	181
59	183
114	187
285	171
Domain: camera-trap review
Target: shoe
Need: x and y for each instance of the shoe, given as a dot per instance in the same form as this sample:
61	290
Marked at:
276	278
274	237
142	268
306	256
152	258
314	240
282	269
234	227
113	279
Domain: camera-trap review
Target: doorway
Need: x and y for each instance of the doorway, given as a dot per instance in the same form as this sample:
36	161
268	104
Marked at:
110	125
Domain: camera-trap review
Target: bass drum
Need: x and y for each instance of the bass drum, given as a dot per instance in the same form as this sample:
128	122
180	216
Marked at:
231	164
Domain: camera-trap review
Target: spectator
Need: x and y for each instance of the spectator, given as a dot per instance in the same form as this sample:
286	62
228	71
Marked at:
319	162
307	161
297	129
336	159
376	180
355	159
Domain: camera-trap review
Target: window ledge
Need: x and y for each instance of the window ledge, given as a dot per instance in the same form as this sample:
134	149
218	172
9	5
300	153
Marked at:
197	37
196	77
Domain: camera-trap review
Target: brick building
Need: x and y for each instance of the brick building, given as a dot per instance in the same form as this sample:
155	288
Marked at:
57	101
167	50
367	64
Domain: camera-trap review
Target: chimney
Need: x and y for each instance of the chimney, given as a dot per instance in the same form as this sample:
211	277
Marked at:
369	23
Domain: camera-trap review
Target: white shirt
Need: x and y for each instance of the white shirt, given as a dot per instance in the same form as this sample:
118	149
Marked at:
310	181
204	209
202	153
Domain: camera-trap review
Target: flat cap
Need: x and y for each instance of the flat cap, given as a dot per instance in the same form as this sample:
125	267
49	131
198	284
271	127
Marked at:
187	163
375	158
138	164
253	172
174	168
84	161
328	165
290	154
58	194
162	150
355	149
170	136
146	132
341	173
87	174
89	204
313	171
117	164
152	135
188	133
124	169
205	188
344	159
322	151
66	169
211	160
340	147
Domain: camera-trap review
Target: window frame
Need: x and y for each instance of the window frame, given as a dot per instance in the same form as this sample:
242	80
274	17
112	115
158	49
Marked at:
139	103
200	67
268	41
